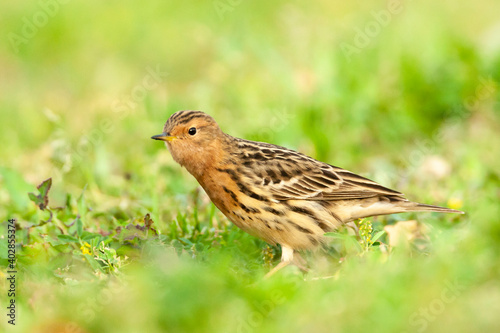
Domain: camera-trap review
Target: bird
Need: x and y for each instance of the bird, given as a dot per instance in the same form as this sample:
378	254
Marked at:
276	194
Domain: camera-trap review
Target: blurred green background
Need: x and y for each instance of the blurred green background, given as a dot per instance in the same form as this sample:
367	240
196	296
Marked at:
403	92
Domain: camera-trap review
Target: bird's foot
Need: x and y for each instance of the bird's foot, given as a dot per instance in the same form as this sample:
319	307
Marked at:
276	268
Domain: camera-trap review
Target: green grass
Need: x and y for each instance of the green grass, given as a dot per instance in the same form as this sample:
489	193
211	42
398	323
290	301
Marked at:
135	245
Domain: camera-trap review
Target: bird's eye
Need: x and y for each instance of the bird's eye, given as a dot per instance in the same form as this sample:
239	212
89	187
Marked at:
192	131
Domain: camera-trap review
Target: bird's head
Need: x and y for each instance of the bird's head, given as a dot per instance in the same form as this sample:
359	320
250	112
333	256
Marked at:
193	138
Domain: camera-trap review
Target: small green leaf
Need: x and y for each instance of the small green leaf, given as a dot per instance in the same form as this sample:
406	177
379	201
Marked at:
62	247
93	263
68	238
44	187
109	252
79	226
94	242
34	198
377	236
87	236
42	199
186	241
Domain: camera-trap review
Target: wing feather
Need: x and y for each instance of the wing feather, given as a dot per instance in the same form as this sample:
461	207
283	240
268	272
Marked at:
295	176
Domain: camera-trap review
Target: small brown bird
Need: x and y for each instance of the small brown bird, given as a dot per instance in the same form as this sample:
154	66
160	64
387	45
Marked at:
274	193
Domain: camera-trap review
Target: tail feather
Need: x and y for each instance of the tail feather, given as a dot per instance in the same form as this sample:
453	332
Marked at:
418	207
384	206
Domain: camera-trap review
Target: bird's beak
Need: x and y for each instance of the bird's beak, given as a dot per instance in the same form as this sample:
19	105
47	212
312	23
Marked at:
164	137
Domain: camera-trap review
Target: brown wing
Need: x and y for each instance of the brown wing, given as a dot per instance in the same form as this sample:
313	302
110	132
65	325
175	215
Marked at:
289	175
328	183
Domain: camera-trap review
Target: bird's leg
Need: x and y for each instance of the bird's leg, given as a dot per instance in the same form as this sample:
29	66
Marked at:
300	263
286	258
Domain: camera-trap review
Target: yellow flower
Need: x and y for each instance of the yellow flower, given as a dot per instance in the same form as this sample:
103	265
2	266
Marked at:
365	232
85	248
455	203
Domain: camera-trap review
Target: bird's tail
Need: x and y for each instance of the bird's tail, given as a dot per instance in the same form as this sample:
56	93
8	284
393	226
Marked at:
418	207
389	205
